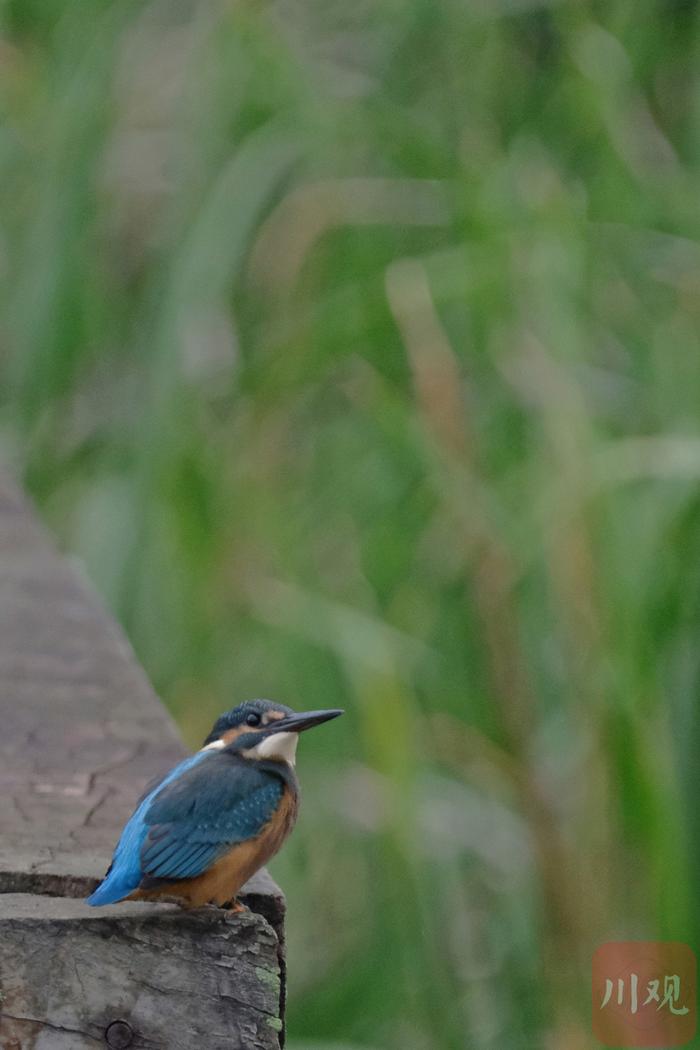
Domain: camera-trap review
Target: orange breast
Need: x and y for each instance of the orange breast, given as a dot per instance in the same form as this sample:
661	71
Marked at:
224	879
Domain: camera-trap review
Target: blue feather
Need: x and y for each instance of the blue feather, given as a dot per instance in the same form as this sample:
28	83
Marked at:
190	819
199	818
125	871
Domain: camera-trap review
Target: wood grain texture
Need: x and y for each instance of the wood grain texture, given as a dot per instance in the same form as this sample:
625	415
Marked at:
174	980
82	735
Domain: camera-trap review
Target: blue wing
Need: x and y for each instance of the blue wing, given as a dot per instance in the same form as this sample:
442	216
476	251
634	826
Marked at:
186	822
125	872
197	817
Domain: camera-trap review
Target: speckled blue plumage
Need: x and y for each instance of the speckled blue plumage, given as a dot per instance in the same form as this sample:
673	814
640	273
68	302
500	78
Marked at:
192	817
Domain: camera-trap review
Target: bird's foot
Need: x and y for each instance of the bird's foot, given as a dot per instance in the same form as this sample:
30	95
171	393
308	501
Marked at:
231	907
235	907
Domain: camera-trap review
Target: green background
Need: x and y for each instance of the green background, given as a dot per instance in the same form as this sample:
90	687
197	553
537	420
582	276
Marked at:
354	350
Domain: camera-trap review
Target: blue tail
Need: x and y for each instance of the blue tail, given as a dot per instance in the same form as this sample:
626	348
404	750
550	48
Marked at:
114	887
124	872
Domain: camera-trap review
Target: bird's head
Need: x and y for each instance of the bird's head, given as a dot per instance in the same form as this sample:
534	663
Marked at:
260	729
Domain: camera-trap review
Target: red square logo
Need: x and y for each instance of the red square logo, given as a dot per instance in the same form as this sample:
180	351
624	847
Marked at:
644	994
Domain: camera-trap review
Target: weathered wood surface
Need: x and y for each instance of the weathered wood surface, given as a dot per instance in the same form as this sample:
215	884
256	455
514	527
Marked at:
176	980
82	733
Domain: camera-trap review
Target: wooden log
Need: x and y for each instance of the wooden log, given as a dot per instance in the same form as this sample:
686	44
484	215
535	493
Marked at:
82	733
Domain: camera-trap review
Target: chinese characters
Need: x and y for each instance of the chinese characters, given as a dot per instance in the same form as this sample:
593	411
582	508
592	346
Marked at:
671	993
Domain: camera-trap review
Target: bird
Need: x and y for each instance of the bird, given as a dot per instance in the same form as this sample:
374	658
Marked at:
210	823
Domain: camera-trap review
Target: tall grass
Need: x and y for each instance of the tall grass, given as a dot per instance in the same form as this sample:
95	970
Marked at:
354	348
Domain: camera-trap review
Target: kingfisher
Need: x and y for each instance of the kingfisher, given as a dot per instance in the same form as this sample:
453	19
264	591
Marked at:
216	817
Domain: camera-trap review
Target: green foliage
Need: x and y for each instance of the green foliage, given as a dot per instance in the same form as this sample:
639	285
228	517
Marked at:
355	350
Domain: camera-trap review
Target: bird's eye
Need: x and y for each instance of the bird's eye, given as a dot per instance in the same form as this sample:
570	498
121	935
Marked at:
252	719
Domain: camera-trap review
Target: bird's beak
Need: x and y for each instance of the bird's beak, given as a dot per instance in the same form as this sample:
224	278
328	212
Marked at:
297	722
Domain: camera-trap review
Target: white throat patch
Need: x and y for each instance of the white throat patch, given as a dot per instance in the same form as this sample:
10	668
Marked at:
282	746
216	745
